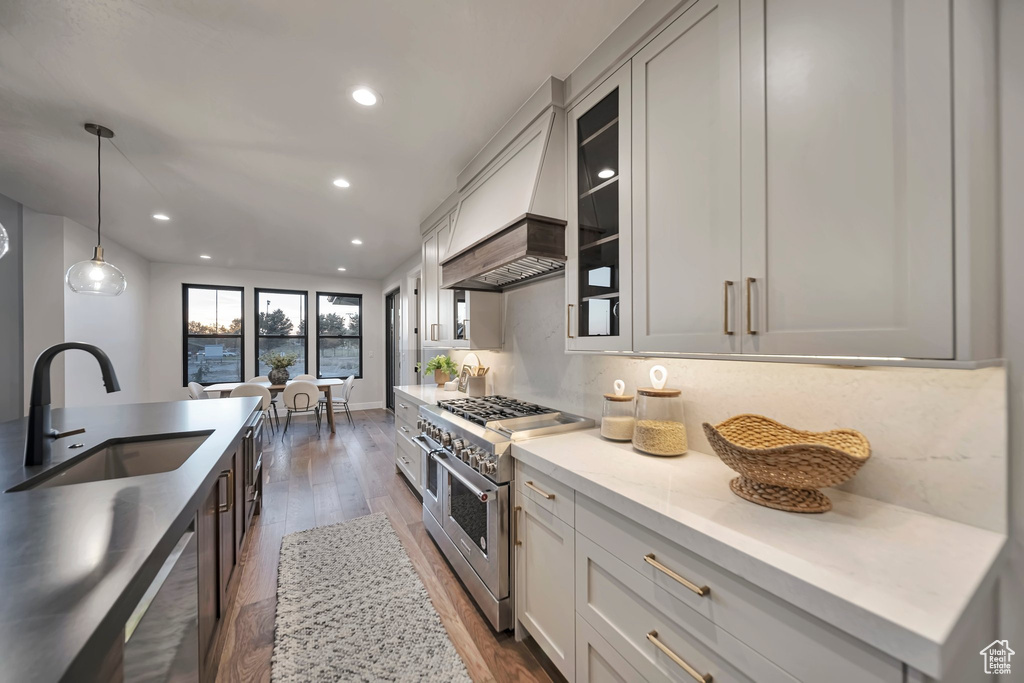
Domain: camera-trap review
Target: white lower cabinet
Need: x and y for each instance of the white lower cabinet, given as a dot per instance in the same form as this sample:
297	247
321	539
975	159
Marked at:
607	599
408	460
597	661
545	559
657	634
408	454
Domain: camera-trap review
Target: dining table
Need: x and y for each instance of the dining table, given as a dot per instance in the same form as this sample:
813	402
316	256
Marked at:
325	385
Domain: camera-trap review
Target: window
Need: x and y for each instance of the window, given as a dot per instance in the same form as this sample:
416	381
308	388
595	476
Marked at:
339	339
281	316
212	335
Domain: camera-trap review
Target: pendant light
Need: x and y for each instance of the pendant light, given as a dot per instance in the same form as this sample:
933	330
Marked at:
96	276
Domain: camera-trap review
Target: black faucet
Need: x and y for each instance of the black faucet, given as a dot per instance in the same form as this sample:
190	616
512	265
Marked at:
40	432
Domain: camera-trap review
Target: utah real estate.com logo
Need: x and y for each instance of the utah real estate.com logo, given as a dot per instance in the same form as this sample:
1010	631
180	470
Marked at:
997	657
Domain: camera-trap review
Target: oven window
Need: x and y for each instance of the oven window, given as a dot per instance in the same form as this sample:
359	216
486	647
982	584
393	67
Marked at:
469	513
432	476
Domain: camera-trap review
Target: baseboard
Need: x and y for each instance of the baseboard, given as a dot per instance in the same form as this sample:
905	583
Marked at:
366	406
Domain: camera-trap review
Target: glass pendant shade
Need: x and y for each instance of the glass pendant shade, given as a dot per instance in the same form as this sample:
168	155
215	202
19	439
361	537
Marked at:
95	276
5	242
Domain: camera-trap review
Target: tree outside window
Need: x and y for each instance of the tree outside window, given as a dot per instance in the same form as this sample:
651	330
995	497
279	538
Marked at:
339	335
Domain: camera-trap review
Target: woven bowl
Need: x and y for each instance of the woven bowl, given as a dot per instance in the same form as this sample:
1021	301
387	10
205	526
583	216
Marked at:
781	467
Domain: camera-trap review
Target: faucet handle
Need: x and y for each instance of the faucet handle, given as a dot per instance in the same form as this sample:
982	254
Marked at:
54	434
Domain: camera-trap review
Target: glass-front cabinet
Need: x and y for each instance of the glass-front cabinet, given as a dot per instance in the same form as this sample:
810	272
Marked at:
598	271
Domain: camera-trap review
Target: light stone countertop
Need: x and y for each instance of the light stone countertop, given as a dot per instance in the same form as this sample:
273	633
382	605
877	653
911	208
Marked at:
429	393
895	578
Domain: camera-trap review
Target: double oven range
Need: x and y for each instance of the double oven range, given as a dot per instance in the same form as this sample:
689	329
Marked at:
467	492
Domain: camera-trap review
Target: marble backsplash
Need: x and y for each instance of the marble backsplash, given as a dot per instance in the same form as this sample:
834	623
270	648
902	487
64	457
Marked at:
938	437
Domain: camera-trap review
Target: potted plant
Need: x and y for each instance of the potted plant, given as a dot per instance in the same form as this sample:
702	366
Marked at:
443	368
279	363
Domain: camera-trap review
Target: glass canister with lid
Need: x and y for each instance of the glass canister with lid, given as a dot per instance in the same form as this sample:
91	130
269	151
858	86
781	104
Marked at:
617	417
660	427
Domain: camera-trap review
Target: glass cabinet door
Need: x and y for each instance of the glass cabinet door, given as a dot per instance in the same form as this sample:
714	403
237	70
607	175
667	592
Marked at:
460	314
598	271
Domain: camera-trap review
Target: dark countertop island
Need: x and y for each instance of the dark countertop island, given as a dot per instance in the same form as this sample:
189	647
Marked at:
75	560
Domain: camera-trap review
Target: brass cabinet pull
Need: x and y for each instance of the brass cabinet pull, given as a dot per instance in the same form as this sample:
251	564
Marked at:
750	329
725	320
433	332
405	429
518	542
402	406
568	322
227	507
549	496
697	676
465	329
699	590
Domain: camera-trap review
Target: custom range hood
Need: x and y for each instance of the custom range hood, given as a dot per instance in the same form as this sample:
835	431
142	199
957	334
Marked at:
510	224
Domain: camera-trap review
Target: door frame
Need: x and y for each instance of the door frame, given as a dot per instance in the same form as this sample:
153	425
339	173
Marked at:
392	344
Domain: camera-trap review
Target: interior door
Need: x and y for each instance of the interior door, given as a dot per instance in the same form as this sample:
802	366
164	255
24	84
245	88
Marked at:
686	192
847	177
598	272
391	346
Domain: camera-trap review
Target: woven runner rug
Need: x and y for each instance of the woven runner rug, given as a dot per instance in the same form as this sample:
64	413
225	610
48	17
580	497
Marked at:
350	607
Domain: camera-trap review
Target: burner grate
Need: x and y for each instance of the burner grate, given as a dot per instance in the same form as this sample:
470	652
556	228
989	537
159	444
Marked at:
492	408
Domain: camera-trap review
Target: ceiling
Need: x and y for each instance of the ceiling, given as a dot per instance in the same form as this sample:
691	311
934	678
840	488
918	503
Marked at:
233	116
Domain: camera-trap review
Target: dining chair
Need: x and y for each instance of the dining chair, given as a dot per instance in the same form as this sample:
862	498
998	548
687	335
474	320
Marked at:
196	391
341	398
274	400
266	405
305	378
301	396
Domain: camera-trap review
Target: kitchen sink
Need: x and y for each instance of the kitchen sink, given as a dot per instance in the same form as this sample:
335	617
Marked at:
121	458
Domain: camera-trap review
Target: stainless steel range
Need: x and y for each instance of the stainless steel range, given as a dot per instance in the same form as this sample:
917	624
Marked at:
467	474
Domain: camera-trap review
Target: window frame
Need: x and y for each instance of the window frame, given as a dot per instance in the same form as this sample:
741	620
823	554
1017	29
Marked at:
359	375
256	308
185	336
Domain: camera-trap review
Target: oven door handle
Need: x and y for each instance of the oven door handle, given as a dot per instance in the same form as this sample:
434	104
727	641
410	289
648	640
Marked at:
483	496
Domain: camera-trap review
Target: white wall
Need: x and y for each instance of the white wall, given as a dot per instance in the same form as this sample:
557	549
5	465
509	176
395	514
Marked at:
118	325
1011	86
11	364
406	278
43	270
938	437
53	314
165	322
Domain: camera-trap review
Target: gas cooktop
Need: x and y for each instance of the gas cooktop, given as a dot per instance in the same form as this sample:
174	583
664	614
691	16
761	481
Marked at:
485	409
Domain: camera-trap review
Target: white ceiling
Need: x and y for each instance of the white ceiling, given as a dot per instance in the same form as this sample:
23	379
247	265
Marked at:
233	116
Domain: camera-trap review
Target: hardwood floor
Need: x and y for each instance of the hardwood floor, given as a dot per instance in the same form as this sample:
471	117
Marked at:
310	481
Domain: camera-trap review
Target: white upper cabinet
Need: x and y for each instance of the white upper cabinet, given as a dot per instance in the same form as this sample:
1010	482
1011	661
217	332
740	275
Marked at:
847	178
445	330
686	184
430	282
438	306
598	274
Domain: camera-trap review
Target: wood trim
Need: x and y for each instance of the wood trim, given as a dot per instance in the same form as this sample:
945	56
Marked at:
528	235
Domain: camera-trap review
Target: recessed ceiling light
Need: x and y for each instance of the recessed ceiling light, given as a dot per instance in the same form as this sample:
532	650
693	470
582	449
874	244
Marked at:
341	269
204	256
357	241
365	96
605	173
161	216
341	182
